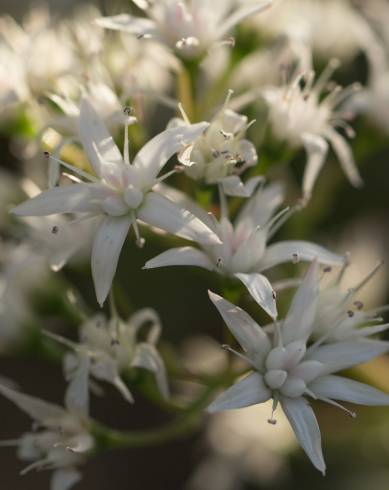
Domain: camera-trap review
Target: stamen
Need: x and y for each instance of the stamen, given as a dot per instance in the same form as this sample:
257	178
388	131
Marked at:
369	276
338	405
228	348
343	268
272	420
128	111
326	74
183	113
139	240
77	170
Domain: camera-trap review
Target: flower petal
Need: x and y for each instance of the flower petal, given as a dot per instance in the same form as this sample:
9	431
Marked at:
72	198
233	186
106	250
285	251
317	149
247	332
240	14
162	213
156	153
147	357
77	393
346	159
180	256
96	140
37	409
138	26
348	390
246	392
305	426
343	355
299	322
261	290
65	479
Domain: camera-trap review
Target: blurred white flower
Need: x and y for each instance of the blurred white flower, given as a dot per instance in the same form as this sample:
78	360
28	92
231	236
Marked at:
120	193
61	443
222	153
287	366
189	28
108	349
300	115
244	252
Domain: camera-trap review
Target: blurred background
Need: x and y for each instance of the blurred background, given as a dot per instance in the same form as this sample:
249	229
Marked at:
237	450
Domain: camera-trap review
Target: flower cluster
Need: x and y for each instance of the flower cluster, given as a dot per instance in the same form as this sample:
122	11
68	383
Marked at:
170	132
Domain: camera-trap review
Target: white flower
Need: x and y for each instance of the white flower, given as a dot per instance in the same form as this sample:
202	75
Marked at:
287	367
244	252
120	193
222	153
299	115
61	443
190	28
109	349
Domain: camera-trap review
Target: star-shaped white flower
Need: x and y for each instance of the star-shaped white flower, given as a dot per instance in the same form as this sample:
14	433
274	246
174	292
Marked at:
245	252
109	349
189	28
61	443
120	193
288	366
299	115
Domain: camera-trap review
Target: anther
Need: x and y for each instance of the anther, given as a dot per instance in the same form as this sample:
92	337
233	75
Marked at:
54	230
274	295
350	313
219	262
327	268
128	110
46	154
295	258
358	305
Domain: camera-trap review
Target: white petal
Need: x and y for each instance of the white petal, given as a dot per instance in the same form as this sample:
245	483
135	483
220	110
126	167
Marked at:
65	479
241	14
73	198
107	370
285	251
249	391
162	213
343	355
305	426
344	153
77	393
156	153
37	409
299	322
147	357
96	140
261	290
180	256
246	331
348	390
317	149
233	186
106	250
127	23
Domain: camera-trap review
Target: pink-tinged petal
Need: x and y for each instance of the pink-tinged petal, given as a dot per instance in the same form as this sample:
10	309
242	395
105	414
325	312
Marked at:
65	479
180	256
156	153
233	186
96	140
348	390
316	148
162	213
106	250
138	26
39	410
305	426
343	355
73	198
240	14
247	332
249	391
346	159
299	322
287	251
261	290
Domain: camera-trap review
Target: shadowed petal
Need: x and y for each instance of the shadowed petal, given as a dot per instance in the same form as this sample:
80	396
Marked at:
180	256
65	479
305	426
233	186
77	393
106	250
147	357
317	149
246	392
138	26
162	213
346	159
261	290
